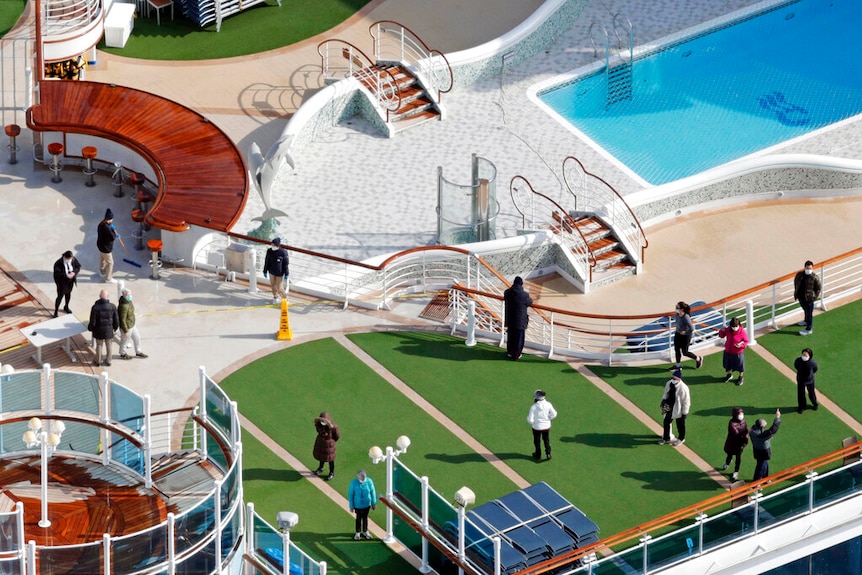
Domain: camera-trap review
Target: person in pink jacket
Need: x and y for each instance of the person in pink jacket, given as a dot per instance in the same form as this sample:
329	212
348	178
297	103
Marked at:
735	342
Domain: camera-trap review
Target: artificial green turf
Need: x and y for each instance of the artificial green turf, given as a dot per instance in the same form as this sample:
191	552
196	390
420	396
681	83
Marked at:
258	29
836	351
324	531
801	437
10	11
605	461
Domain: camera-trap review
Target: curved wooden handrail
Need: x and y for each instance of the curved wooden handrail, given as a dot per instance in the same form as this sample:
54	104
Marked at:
715	502
364	64
58	416
202	176
423	44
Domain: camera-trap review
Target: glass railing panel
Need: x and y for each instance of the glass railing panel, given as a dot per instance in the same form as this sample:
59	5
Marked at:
441	513
127	407
201	563
406	485
783	505
127	453
406	535
21	392
728	526
9	530
230	533
11	437
218	409
629	562
81	437
837	484
669	549
10	566
77	392
70	559
193	526
215	452
229	492
137	552
268	544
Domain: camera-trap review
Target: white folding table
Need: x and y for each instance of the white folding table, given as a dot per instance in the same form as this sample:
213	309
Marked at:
52	331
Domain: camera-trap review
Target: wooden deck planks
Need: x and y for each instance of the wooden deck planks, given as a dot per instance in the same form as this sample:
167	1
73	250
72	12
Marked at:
202	176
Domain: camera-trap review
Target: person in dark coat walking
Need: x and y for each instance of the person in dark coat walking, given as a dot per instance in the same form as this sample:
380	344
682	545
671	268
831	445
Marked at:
66	271
104	321
737	439
806	290
761	444
805	367
324	443
105	235
516	300
276	264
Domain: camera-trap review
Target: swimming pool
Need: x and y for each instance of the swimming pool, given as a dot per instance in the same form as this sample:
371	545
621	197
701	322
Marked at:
723	94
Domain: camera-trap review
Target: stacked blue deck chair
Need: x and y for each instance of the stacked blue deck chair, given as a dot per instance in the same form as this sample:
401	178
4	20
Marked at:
537	519
576	524
480	548
203	12
706	321
523	538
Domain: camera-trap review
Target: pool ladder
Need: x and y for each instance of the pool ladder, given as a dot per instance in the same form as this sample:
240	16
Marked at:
619	72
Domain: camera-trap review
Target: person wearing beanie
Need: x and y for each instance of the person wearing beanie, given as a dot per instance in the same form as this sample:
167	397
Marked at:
66	271
105	235
539	417
675	405
761	444
361	498
276	264
128	329
516	301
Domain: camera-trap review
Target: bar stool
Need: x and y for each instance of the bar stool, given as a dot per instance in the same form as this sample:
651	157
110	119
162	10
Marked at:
13	131
138	217
56	149
89	153
144	197
155	247
136	180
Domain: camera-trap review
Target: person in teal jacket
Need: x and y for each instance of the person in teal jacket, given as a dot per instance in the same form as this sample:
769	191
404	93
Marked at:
362	498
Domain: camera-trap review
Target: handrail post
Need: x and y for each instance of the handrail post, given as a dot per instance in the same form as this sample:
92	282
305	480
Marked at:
822	288
148	443
645	542
172	551
249	520
106	417
773	322
218	524
502	322
551	345
749	321
19	523
810	477
203	412
106	553
424	567
346	281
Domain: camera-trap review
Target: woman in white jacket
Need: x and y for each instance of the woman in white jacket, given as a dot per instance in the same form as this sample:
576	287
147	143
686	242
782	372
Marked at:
539	418
675	404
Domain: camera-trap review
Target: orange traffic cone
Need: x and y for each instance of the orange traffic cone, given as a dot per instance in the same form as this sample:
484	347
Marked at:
284	332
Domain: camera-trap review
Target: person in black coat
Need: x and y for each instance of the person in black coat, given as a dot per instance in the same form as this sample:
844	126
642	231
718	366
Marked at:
517	317
66	271
761	444
105	235
805	367
276	264
104	321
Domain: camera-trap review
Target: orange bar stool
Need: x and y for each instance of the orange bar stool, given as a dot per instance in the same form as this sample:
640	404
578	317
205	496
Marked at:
144	197
138	217
89	153
13	131
56	150
155	247
136	180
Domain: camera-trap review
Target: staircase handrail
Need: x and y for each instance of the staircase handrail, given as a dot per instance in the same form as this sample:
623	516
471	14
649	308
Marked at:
59	18
581	248
593	42
394	42
622	217
631	36
333	51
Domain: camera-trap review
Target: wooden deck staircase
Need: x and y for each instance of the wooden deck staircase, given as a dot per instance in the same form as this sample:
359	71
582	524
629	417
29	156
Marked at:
612	261
415	106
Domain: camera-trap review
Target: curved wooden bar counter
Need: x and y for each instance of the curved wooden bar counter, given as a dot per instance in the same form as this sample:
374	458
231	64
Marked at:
202	176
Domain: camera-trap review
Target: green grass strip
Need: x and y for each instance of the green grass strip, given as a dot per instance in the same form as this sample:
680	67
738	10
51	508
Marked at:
836	351
10	11
258	29
802	437
605	461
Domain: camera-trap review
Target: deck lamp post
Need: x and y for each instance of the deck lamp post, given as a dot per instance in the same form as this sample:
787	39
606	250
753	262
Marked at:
48	441
377	455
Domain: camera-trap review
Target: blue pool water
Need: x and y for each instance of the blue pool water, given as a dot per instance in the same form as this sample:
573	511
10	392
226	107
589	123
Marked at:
727	93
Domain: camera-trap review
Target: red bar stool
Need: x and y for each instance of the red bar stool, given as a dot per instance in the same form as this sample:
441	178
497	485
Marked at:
89	153
56	150
144	197
155	247
13	131
138	217
136	180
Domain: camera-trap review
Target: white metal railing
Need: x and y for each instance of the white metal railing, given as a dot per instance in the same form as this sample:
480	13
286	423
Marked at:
591	193
396	43
650	336
62	16
341	59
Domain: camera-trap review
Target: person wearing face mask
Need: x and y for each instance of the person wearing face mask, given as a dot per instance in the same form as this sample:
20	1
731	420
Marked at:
805	367
676	403
735	342
806	290
128	329
362	498
276	264
761	444
682	336
737	439
66	271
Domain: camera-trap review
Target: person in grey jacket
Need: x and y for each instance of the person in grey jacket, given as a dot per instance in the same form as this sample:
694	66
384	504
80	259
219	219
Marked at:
761	444
682	336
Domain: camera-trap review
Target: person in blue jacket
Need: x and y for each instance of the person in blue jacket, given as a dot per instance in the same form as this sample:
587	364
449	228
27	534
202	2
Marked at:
362	498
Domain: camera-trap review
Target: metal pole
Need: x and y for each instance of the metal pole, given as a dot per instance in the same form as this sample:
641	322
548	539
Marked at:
389	457
471	324
43	441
